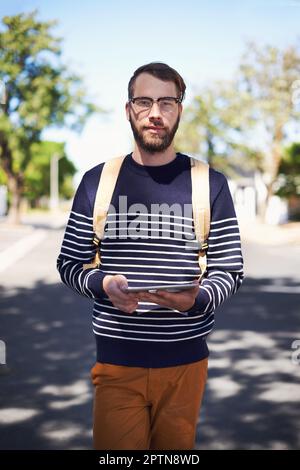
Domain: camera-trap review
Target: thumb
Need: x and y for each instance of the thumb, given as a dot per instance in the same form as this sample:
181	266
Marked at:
121	281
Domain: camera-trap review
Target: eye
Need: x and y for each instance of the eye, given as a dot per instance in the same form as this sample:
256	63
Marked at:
167	102
143	102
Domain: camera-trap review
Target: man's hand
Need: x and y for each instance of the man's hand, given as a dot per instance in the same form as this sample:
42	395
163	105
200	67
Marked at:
113	286
181	301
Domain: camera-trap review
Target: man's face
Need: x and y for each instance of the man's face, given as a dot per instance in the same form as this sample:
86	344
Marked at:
153	129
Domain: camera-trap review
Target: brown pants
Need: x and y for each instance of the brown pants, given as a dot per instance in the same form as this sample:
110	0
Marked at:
141	408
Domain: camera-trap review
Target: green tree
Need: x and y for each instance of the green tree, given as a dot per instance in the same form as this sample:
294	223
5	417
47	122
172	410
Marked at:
40	92
212	127
37	173
288	183
268	75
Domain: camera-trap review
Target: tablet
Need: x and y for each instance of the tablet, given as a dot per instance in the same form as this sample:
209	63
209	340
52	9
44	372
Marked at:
168	287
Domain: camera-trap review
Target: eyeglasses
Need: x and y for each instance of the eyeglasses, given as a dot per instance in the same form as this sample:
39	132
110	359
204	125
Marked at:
167	104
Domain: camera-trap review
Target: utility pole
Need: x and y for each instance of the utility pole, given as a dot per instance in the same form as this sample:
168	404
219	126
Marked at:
54	193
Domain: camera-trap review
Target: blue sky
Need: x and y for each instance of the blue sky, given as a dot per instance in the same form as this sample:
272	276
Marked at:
105	41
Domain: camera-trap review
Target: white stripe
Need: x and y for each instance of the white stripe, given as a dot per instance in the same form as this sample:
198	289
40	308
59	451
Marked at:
158	340
137	214
220	279
220	251
220	294
223	220
104	242
138	237
160	282
79	229
210	298
225	236
226	257
145	318
63	271
77	236
78	251
87	245
81	215
223	265
224	273
141	310
149	266
151	251
208	286
149	324
90	273
74	257
78	280
121	221
223	228
82	223
148	259
162	333
145	273
237	241
226	294
136	231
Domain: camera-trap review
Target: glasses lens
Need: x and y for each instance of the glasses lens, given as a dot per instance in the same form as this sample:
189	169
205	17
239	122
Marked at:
167	104
143	103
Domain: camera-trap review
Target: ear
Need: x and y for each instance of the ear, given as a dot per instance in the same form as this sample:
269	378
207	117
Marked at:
180	108
127	105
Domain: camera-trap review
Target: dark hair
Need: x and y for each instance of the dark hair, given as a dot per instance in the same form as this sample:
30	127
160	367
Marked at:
162	71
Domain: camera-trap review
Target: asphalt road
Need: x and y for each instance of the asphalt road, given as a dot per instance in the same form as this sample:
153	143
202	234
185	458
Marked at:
252	395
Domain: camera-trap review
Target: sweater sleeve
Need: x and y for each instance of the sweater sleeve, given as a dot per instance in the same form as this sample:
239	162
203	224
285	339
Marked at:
224	273
78	248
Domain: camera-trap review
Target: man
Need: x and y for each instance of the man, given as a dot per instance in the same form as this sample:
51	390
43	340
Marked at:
151	364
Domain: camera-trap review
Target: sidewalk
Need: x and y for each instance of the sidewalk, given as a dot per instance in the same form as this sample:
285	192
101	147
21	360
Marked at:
17	240
270	235
32	222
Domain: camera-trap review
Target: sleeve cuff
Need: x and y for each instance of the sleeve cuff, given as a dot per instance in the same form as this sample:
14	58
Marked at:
94	282
201	302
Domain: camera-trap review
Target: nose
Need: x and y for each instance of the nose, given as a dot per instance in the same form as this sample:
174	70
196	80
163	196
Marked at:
154	111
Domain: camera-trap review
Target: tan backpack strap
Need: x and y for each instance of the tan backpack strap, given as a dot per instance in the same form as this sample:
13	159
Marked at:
201	207
107	183
106	186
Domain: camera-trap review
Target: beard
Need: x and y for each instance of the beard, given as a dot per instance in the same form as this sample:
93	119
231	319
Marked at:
155	143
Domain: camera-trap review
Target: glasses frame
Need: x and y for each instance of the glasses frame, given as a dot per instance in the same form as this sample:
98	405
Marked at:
153	100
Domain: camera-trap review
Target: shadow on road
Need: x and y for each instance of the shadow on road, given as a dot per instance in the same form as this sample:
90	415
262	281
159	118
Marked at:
46	400
252	396
253	389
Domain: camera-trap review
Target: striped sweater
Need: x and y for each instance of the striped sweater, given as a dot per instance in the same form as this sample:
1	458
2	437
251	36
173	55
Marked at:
150	239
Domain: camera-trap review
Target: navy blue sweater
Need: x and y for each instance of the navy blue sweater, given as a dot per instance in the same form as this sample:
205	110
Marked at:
149	245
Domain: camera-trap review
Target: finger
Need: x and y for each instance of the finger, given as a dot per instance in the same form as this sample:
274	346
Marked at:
165	295
129	308
117	295
156	299
121	281
146	296
133	296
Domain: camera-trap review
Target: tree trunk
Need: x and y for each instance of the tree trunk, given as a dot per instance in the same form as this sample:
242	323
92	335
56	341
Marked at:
264	206
15	187
273	168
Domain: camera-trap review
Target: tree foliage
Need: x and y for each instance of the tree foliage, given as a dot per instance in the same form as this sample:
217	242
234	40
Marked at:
40	92
288	183
247	122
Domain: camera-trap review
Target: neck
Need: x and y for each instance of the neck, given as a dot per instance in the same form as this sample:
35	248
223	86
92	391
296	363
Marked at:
153	159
